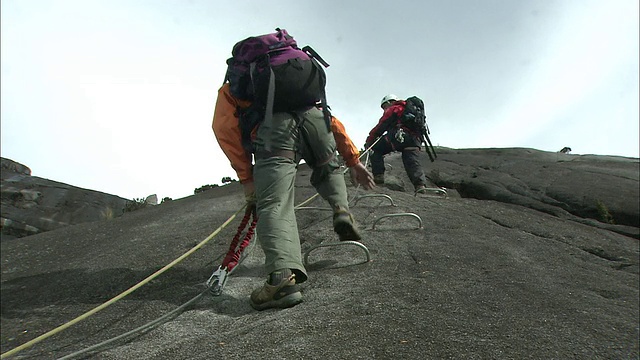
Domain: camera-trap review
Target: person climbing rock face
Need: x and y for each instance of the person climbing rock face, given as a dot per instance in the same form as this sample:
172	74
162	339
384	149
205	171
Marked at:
297	125
393	133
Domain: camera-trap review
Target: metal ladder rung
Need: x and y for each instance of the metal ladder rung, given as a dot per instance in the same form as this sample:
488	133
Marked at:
397	215
355	201
439	191
314	208
341	243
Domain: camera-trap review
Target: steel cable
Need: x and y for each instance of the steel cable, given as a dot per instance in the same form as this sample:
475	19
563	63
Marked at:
153	323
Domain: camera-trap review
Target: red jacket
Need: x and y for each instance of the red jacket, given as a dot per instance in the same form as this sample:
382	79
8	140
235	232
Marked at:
390	119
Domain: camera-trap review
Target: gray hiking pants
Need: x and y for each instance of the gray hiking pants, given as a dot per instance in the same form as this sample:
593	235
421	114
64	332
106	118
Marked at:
292	136
410	148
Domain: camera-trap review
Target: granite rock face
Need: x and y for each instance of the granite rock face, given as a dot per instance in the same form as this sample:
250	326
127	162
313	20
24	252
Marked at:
599	190
504	267
31	205
594	189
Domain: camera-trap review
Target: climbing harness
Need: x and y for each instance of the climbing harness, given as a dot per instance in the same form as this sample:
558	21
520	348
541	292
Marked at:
219	277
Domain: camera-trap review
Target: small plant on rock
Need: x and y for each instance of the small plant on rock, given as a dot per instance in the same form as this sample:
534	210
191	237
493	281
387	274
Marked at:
107	213
228	179
603	212
135	204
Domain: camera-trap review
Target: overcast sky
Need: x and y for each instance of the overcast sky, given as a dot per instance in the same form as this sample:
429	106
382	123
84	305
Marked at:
118	96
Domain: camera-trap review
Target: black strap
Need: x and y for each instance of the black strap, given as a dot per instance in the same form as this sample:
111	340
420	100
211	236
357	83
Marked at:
313	161
226	74
315	55
322	78
429	147
268	113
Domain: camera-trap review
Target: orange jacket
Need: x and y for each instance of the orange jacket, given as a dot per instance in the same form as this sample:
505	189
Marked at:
227	131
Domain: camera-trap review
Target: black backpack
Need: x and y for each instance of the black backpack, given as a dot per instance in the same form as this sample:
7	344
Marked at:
272	72
414	118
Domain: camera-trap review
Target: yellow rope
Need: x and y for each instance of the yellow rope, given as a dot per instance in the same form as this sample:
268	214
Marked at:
307	201
143	282
123	294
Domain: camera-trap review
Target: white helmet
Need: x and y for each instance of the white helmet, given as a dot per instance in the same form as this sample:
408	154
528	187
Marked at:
390	97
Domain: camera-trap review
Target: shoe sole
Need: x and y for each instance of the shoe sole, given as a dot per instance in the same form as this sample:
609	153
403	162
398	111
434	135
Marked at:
282	303
346	232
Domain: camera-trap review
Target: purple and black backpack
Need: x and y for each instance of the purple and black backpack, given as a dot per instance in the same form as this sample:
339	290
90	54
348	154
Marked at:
276	76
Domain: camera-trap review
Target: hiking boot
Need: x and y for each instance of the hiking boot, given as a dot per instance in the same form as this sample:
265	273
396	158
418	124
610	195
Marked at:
378	179
280	291
345	227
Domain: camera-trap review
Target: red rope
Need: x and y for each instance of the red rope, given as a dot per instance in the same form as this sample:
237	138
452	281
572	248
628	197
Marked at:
233	256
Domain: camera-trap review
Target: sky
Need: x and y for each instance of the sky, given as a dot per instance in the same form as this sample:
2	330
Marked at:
118	96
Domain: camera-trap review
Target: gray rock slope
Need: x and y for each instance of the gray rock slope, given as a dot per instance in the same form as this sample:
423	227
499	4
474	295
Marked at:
32	204
484	278
603	188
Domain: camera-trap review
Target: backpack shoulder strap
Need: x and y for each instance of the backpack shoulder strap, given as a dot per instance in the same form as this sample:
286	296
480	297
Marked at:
316	59
268	113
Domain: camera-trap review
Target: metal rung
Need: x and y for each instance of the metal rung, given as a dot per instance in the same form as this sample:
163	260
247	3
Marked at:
396	215
439	191
313	208
355	201
354	243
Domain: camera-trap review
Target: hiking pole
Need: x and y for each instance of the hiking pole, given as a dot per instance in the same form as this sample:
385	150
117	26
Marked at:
433	156
425	134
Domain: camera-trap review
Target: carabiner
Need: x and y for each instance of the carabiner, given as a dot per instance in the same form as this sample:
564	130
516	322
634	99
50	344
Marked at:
217	280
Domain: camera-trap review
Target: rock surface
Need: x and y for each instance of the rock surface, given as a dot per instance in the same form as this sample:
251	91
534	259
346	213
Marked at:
31	204
490	277
598	190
